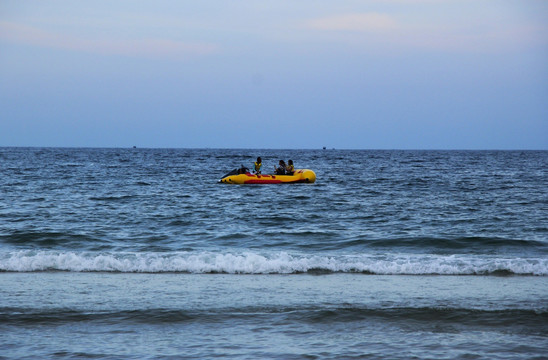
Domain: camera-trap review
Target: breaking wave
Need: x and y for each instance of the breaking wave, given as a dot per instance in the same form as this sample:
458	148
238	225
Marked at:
269	263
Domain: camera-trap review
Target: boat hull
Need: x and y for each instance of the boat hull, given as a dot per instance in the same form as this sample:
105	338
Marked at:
299	176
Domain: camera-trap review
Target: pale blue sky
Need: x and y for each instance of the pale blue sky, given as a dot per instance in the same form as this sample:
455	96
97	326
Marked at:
392	74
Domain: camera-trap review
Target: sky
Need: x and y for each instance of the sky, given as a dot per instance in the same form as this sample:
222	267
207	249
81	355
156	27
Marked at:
345	74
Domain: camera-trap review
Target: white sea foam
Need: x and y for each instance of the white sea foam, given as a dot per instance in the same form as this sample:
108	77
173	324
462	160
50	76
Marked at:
268	263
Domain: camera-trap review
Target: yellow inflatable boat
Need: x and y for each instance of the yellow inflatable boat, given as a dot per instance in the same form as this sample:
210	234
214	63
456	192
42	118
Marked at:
299	176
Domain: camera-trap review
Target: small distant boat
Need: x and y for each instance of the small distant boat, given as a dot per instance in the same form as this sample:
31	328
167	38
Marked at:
240	177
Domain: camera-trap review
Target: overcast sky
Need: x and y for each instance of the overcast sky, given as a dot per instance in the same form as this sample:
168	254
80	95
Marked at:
391	74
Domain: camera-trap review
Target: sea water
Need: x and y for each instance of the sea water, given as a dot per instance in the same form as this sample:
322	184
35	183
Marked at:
141	253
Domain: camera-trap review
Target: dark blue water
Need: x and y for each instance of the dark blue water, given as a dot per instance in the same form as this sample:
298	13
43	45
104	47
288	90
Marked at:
140	253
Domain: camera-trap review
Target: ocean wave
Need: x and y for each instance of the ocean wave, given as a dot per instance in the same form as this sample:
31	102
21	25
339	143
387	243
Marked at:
526	320
50	239
468	244
269	263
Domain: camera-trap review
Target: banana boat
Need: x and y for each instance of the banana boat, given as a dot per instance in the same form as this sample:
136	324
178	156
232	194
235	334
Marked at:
238	177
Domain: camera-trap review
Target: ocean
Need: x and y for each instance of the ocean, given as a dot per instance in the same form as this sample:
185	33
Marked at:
142	254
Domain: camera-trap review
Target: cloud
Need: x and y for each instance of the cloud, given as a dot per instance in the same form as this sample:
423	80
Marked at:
146	47
387	32
361	22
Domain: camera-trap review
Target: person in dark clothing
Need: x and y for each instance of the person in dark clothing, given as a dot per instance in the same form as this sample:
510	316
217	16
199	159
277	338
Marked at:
280	170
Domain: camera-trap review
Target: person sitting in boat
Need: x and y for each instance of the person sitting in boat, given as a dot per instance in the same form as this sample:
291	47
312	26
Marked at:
289	169
258	165
280	170
243	170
